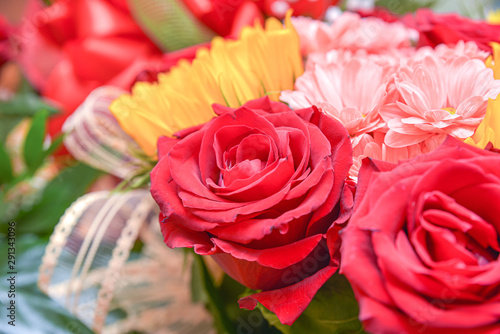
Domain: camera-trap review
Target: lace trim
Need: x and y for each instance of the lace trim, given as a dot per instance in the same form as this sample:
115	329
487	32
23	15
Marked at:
89	267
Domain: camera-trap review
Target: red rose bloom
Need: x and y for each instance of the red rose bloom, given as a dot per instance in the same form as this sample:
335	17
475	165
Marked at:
261	189
421	249
313	8
75	46
225	17
435	29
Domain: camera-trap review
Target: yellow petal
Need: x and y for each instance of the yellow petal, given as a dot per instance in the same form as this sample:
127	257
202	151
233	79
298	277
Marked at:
489	129
493	60
493	17
263	61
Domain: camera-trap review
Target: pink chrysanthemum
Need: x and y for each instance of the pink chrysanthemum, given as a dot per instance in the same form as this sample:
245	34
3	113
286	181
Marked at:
447	53
438	96
351	32
392	58
351	91
372	146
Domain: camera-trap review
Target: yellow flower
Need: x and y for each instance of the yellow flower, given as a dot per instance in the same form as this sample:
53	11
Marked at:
489	129
493	17
493	60
262	61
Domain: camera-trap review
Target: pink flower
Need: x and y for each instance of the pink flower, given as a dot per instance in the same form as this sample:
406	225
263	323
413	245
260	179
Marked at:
372	146
351	91
351	32
438	96
448	53
391	58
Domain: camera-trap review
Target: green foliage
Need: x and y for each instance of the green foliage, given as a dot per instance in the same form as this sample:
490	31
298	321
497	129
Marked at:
33	152
39	210
57	196
5	166
15	184
334	310
214	300
222	301
403	7
168	24
24	104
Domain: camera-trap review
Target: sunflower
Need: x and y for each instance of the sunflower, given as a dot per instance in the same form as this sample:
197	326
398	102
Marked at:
263	61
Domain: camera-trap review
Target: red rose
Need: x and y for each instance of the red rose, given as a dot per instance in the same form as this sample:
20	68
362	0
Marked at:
5	47
225	17
421	249
435	29
150	73
259	188
75	46
313	8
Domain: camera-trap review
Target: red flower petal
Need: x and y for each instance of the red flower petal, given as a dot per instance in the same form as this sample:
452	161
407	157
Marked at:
288	303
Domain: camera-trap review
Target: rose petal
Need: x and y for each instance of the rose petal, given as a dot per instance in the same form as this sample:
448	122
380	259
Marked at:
278	300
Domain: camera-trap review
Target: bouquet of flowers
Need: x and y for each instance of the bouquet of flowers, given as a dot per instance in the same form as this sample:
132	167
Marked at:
326	177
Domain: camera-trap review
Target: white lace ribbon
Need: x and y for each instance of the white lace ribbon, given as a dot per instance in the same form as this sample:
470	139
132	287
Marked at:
92	268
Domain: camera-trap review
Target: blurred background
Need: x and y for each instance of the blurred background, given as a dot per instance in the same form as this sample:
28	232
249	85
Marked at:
12	9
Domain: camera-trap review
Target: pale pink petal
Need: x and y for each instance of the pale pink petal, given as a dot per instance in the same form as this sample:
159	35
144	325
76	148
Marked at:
352	92
351	32
431	143
462	132
474	106
397	125
396	139
393	110
437	115
438	92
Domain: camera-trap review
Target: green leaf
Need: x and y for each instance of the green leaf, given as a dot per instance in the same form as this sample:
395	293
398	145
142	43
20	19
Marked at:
35	312
57	196
33	145
5	166
24	104
7	123
56	142
198	294
215	303
333	310
169	25
403	7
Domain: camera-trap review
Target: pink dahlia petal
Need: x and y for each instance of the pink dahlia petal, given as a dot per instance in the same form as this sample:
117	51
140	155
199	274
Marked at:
396	139
352	92
439	92
351	32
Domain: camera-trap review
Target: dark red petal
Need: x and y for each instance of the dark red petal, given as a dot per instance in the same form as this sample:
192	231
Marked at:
184	168
164	191
289	302
230	215
277	257
258	228
264	104
241	117
165	144
177	236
